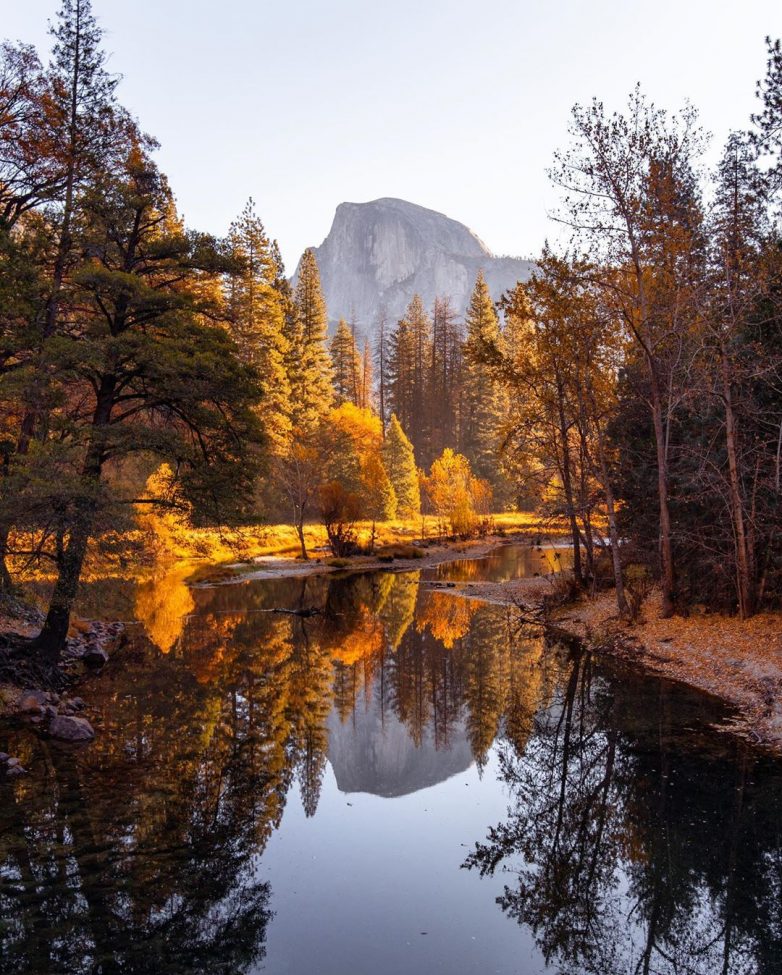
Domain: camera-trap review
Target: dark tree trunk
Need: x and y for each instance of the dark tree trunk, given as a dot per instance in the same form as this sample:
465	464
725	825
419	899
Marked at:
51	640
666	547
302	543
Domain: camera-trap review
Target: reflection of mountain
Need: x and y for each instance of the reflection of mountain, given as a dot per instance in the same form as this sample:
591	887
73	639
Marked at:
380	757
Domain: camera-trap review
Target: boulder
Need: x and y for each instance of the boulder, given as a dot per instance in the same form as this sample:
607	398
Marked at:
11	766
66	727
95	656
33	702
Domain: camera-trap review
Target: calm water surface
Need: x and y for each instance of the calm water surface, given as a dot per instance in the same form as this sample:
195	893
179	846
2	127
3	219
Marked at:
404	783
512	561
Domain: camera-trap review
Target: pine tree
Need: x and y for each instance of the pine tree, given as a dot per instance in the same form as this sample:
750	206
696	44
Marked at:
309	366
444	376
399	462
142	371
365	392
76	133
402	392
421	336
346	365
377	490
484	403
382	362
256	313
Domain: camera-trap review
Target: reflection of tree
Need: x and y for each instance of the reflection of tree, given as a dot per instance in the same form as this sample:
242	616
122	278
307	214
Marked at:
525	687
137	856
486	652
162	603
398	609
447	617
632	856
310	703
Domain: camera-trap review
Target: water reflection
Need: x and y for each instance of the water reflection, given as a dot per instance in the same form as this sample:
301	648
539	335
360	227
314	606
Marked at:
237	720
633	847
511	561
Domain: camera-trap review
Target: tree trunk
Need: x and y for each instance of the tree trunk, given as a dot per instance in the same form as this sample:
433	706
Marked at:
744	573
613	531
666	548
302	543
51	640
567	487
6	582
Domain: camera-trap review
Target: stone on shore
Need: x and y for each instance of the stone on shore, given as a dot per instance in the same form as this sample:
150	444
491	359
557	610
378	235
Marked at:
67	727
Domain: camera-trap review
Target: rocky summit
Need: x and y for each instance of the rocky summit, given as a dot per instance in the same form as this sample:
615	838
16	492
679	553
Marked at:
377	255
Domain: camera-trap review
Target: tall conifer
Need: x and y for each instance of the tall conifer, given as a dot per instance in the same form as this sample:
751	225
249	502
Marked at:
346	365
309	365
399	462
484	402
257	317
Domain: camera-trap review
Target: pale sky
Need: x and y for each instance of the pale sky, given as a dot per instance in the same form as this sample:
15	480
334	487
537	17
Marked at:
454	105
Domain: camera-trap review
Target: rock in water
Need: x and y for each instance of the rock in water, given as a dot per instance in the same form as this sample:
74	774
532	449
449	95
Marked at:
66	727
378	255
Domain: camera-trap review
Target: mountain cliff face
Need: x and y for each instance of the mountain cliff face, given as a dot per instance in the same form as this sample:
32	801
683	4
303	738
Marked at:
378	255
370	754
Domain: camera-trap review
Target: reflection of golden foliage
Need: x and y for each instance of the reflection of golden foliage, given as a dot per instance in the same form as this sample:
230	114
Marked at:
398	607
446	617
364	639
462	570
487	665
162	603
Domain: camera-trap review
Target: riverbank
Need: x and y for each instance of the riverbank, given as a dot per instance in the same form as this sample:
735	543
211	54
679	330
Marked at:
399	557
737	661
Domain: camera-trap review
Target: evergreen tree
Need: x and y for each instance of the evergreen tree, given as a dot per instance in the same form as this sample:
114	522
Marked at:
421	343
409	374
141	371
365	390
401	373
484	402
444	377
309	366
256	314
68	132
399	462
378	492
381	356
346	365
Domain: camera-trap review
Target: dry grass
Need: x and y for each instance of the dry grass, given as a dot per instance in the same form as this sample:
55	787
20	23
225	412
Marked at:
167	540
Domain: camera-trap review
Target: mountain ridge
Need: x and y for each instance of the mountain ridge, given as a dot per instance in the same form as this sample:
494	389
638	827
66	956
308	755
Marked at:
378	254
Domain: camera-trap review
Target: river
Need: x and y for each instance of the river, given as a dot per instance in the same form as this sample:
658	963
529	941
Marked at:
406	782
